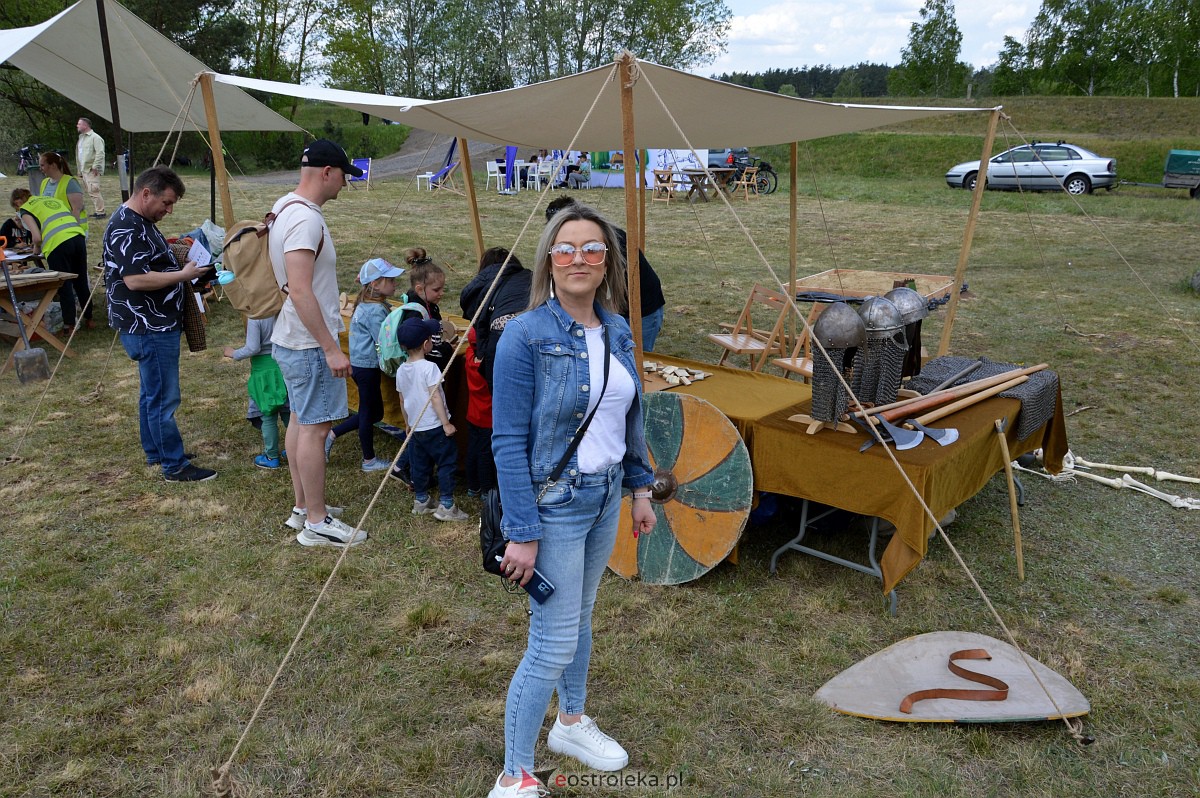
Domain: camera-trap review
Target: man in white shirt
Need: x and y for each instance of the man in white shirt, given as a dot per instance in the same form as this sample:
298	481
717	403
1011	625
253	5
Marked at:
306	338
89	160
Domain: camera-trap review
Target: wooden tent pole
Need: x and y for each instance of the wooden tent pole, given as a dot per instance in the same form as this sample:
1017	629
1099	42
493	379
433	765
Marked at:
960	271
639	173
793	222
472	202
218	150
633	228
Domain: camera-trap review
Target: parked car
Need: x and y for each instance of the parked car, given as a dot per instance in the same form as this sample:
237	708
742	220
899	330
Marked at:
1041	167
724	157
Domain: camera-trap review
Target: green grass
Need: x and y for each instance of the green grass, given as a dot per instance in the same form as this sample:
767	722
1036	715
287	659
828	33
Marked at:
140	622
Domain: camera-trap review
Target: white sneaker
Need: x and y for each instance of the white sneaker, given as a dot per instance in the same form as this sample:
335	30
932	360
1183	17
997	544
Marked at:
375	464
330	532
424	507
585	742
527	787
298	517
451	513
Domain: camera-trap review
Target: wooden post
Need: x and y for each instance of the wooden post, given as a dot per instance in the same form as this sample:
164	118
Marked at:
218	151
627	74
472	202
960	270
1012	499
793	238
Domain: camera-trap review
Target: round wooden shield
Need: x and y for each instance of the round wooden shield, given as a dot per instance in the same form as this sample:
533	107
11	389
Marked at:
703	487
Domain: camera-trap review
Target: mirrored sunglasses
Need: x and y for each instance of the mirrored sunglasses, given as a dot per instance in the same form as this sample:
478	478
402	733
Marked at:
593	253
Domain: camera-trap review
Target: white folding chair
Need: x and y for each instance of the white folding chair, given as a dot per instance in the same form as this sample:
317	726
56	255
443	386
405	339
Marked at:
493	173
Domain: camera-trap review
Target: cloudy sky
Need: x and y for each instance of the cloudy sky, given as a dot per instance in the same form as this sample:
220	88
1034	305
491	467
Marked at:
780	34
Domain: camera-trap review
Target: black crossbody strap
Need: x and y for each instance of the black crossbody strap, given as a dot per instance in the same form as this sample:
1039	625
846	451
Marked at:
582	427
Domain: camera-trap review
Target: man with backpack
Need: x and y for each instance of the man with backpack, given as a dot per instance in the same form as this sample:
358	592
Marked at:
306	338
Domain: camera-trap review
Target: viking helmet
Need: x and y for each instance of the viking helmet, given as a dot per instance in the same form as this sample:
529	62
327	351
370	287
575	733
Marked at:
879	315
839	327
912	306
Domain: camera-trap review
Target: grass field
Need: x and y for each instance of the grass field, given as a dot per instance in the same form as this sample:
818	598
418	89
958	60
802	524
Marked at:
140	622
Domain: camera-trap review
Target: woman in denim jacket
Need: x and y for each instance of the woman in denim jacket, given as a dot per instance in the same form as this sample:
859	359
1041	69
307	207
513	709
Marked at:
549	365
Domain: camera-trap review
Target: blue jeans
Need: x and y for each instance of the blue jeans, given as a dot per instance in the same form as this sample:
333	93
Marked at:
157	356
429	450
579	527
651	327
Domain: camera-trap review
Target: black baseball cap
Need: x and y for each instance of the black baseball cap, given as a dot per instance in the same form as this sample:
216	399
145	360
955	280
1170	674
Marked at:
324	152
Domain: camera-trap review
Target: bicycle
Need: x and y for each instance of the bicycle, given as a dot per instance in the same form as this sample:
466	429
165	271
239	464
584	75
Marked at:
766	182
28	158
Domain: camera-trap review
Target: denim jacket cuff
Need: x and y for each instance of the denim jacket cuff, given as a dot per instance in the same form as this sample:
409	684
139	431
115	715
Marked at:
524	534
637	481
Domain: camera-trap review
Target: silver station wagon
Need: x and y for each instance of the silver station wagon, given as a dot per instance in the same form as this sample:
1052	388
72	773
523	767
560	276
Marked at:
1040	167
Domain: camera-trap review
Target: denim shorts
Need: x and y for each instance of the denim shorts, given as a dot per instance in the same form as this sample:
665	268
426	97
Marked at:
316	396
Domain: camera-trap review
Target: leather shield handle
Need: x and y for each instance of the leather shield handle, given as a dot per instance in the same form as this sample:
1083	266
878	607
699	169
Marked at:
973	399
999	691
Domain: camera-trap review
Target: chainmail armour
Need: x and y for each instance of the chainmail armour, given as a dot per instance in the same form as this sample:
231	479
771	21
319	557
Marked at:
1038	395
878	366
829	398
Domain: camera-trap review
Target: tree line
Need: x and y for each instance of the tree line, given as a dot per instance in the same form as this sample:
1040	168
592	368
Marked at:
1073	47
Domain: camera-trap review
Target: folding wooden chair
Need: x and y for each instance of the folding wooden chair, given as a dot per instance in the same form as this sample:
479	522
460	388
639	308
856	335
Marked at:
664	184
801	360
748	182
744	339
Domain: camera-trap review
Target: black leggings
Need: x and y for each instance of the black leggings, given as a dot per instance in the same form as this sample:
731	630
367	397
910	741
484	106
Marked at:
370	409
71	257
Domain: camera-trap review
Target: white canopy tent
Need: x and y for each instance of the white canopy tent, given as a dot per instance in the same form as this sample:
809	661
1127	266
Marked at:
549	114
153	75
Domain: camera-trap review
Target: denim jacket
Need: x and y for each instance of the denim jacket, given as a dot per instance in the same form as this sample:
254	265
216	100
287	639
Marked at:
540	397
364	332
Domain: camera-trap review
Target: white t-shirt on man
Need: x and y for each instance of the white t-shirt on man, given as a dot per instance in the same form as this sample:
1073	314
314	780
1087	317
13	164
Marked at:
302	226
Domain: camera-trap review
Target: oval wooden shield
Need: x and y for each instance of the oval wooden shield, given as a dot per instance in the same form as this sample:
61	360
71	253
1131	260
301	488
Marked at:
703	488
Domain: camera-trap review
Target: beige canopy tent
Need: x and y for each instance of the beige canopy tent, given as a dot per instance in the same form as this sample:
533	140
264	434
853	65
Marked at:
637	105
152	75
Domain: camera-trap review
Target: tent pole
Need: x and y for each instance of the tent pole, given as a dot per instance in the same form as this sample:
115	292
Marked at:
793	222
960	271
633	227
112	87
641	184
218	150
472	202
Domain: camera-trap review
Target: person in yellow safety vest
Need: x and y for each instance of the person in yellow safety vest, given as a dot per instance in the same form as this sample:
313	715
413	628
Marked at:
59	183
58	235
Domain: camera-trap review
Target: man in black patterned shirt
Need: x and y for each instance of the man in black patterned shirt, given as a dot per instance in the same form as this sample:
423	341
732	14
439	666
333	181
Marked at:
145	305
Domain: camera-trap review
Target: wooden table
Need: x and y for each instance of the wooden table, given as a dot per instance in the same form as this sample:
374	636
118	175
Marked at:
862	283
702	184
828	469
42	287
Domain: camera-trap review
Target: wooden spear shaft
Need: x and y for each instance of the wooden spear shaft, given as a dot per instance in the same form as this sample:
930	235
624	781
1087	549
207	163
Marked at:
1012	498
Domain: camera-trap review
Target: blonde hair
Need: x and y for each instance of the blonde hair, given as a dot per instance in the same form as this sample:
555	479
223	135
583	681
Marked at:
368	294
612	291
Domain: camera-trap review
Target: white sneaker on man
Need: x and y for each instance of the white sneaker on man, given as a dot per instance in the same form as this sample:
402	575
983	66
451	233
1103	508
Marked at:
584	741
298	517
330	532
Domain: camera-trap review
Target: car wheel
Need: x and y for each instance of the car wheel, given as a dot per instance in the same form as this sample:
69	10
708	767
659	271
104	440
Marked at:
969	181
1077	184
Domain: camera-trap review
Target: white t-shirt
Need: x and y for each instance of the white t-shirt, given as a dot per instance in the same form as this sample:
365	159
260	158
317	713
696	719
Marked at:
604	442
414	381
302	226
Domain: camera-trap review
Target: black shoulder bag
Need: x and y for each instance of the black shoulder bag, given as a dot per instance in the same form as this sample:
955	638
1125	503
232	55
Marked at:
491	540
